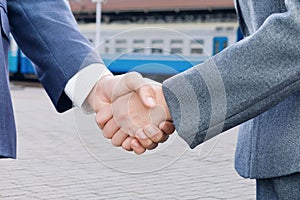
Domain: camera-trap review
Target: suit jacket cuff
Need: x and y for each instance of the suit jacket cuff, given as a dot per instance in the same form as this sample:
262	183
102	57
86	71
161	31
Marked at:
197	102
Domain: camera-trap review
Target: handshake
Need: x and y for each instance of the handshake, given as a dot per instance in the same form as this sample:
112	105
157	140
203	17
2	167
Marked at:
131	111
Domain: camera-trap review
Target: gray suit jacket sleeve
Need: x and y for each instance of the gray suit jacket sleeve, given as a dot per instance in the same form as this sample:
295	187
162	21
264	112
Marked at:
241	82
48	34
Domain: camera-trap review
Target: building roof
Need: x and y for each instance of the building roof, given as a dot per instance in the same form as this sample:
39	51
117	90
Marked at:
151	5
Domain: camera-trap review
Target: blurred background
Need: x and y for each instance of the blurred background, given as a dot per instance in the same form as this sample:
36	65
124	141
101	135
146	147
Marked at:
157	38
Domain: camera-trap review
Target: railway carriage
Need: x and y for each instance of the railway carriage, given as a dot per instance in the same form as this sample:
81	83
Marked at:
163	49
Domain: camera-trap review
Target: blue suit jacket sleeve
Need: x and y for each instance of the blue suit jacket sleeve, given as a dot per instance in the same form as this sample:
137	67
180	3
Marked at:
47	33
240	83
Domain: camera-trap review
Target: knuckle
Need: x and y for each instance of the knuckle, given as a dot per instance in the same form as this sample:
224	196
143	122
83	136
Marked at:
147	144
126	147
169	129
133	79
116	143
101	120
158	137
107	135
133	75
153	146
139	151
164	139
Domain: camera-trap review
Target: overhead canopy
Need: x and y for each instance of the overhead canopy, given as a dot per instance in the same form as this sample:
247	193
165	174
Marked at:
151	5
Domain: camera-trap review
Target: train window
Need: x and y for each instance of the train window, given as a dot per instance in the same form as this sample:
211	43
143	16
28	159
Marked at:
225	44
121	41
156	51
138	46
106	41
120	50
198	41
106	49
196	51
139	51
121	45
176	41
138	41
219	28
176	46
176	50
197	46
217	47
157	41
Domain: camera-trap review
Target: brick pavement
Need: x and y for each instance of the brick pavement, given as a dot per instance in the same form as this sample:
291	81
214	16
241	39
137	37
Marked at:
54	163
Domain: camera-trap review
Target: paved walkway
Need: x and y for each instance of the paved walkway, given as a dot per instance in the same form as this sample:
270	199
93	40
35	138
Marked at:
60	158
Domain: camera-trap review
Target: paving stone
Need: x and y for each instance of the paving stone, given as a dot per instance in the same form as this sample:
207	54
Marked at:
54	164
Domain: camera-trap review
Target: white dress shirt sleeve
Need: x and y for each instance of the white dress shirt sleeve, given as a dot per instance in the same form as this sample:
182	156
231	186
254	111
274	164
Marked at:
81	84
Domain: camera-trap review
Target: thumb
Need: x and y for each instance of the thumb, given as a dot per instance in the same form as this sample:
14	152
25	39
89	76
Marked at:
133	82
126	84
147	96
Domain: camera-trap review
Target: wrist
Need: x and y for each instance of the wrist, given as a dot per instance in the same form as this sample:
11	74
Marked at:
91	97
98	87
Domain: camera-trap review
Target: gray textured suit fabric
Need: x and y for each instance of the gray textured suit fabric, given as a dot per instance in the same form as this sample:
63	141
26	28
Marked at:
256	81
47	33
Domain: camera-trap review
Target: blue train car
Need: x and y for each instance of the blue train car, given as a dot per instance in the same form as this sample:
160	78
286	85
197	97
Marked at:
18	62
155	62
151	64
13	61
144	64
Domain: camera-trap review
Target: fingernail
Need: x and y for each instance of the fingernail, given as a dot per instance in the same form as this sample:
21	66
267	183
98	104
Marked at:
140	134
151	101
151	130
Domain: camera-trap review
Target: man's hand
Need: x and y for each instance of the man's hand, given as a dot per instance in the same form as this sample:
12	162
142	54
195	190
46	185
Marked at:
106	91
151	135
142	122
110	88
131	114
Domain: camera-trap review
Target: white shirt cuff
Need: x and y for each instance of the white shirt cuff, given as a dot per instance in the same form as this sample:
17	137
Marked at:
81	84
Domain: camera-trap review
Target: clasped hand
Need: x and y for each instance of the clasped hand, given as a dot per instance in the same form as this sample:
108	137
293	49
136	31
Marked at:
131	111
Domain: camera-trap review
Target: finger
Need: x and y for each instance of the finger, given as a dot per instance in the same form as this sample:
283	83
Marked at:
155	134
126	145
137	147
110	129
119	138
167	127
104	116
147	96
144	140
